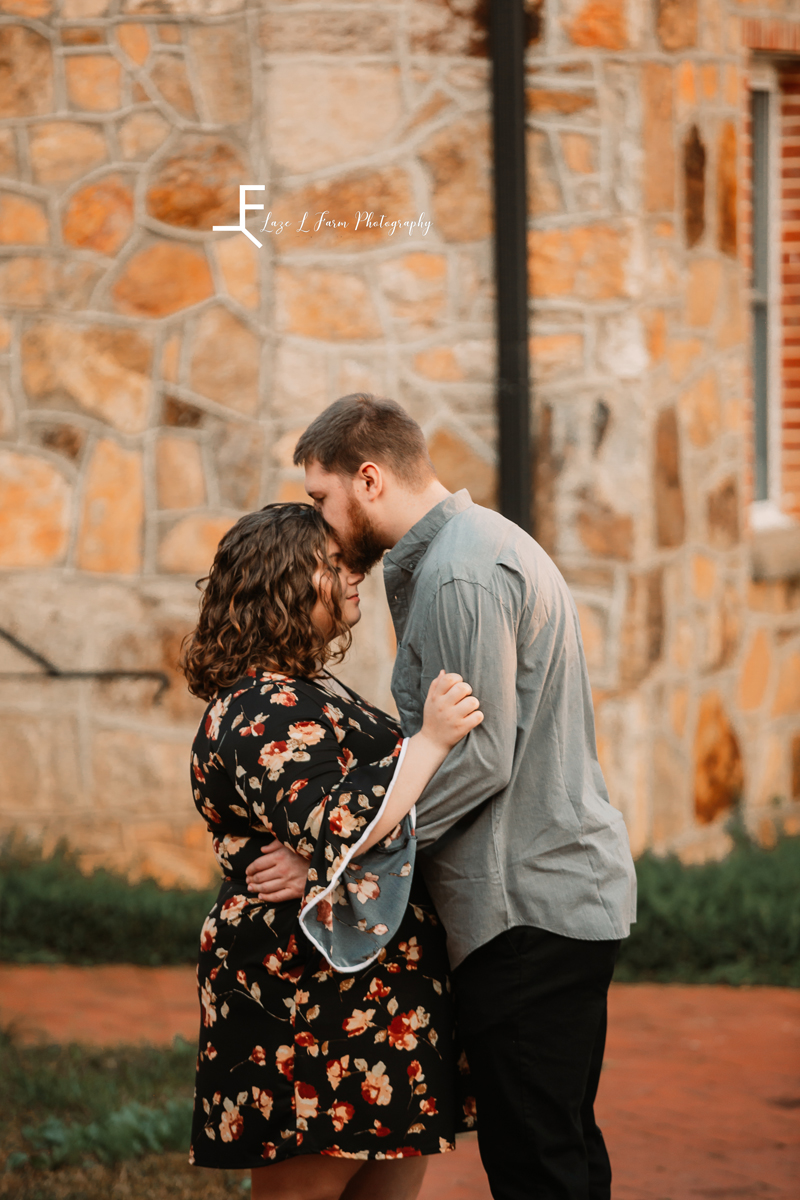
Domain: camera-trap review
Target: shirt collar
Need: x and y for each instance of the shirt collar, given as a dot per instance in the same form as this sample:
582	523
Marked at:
412	545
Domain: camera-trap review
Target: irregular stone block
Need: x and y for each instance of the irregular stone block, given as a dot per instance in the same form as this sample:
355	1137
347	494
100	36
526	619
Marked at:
134	40
35	502
555	355
179	473
718	772
544	191
102	370
677	24
642	633
580	153
239	460
330	305
163	279
755	673
340	32
26	72
225	361
458	466
141	134
415	286
67	440
321	115
723	515
658	138
188	548
38	282
94	82
546	101
198	186
601	23
100	215
701	410
39	762
671	806
238	261
694	187
439	27
593	622
170	76
587	262
603	531
702	290
727	190
387	192
458	158
8	152
22	221
667	490
110	535
64	150
222	57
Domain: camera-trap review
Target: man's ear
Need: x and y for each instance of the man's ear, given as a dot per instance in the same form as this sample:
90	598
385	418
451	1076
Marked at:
372	481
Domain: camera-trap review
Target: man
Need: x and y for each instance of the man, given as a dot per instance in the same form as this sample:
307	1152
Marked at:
527	862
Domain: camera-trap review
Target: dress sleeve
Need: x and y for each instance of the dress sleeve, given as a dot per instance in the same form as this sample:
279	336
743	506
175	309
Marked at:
304	786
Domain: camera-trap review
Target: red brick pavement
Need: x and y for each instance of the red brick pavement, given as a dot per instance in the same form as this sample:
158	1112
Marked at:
700	1099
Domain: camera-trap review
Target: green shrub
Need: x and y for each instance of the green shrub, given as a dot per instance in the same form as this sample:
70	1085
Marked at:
51	912
736	921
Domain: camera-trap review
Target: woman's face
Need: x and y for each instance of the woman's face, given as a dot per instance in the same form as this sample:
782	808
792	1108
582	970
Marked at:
348	583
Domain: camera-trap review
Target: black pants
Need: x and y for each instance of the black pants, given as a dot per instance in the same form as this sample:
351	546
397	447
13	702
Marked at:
531	1013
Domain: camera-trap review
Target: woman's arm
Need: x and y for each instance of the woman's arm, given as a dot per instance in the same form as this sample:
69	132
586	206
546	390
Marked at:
451	711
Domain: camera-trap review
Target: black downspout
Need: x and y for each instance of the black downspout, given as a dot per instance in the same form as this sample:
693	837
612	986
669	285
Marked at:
507	38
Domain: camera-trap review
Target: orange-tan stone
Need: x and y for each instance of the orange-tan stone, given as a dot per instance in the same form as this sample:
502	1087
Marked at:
458	466
386	192
225	361
330	305
658	138
102	370
198	186
603	531
8	153
704	576
755	673
170	358
94	82
239	263
718	771
100	215
134	40
415	286
580	153
588	262
544	191
26	72
701	410
555	355
64	150
141	134
222	58
439	363
677	24
170	76
22	221
547	101
35	502
110	535
702	290
600	23
458	158
163	279
787	694
188	548
35	282
179	473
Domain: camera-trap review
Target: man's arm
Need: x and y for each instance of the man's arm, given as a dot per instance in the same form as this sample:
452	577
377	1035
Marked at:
471	630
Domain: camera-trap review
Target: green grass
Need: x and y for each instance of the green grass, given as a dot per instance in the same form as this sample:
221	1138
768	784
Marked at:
51	912
88	1112
735	921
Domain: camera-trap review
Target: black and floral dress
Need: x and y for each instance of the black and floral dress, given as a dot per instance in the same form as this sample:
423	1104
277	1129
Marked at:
327	1025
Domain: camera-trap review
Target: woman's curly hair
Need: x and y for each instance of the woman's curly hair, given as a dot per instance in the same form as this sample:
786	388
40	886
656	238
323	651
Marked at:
258	599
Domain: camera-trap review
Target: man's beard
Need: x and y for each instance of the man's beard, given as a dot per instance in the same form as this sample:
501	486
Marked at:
361	546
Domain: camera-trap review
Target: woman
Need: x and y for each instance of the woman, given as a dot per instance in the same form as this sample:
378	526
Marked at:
327	1059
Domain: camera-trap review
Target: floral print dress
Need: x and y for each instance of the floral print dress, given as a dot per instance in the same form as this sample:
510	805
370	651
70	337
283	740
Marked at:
326	1025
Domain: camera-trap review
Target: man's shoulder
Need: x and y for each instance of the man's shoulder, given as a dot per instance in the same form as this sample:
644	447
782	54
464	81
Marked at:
481	546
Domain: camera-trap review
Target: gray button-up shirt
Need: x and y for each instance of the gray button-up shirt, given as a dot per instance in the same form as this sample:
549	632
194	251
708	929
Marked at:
516	827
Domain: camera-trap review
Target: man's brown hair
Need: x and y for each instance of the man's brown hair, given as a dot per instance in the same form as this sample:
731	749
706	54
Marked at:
362	428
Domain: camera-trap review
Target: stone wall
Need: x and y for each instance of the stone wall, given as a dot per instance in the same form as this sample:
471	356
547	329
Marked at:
154	374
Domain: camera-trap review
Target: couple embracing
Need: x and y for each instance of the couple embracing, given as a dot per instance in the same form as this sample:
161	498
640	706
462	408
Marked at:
418	922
